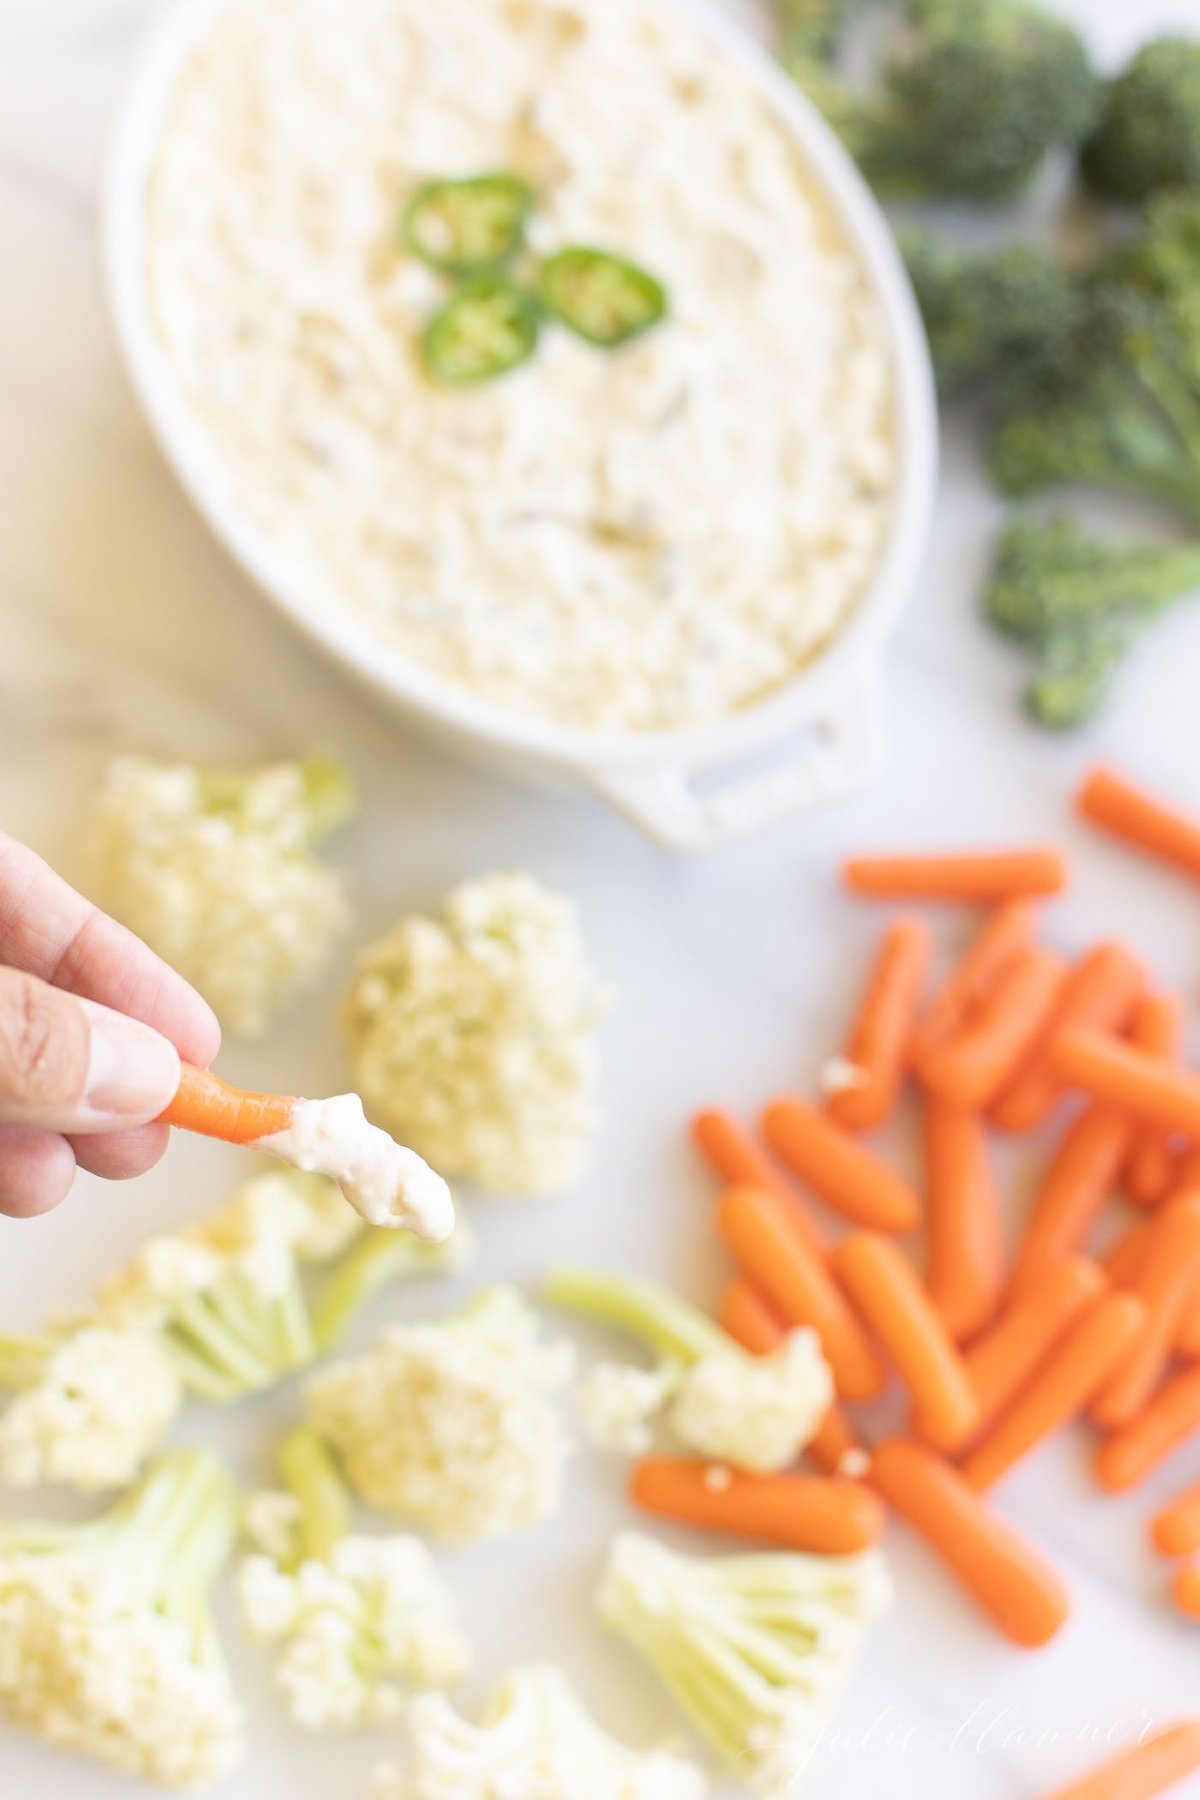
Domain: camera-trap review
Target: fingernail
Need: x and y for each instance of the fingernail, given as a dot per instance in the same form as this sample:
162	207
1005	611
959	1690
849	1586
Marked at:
133	1072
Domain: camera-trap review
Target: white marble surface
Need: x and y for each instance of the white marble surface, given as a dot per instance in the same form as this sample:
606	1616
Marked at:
122	624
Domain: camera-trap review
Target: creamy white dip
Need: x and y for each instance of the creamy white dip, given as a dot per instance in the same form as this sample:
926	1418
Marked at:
385	1182
619	540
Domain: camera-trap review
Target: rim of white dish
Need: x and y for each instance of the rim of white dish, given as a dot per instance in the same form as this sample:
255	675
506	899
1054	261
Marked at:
351	641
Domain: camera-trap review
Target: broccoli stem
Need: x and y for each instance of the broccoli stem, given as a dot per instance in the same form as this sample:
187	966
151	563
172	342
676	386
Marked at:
658	1318
310	1474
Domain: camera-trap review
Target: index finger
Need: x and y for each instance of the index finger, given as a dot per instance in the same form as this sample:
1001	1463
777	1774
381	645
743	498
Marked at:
49	930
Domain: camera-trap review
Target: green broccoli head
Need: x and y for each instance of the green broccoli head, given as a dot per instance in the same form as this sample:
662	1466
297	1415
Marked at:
983	312
1117	403
974	94
1148	135
1079	602
813	28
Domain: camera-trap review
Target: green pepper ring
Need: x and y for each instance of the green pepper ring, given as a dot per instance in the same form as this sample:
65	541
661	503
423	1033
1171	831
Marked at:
453	358
603	298
510	189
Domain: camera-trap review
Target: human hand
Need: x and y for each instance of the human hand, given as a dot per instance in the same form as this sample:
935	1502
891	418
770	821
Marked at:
92	1027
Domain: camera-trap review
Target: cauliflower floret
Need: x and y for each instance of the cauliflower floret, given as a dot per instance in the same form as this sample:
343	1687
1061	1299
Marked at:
534	1742
360	1621
358	1631
448	1425
755	1650
214	869
471	1036
90	1408
107	1647
755	1412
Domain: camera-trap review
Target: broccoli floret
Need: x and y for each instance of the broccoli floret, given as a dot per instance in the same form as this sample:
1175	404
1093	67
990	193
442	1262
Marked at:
1148	137
984	312
813	28
972	96
1116	402
1079	602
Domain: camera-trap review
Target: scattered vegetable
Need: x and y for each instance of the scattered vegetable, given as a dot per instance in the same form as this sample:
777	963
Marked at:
973	875
600	297
1158	1028
360	1621
964	1266
1004	935
1175	1530
1004	1360
812	1513
994	1042
739	1161
848	1177
468	227
985	313
1164	1282
1084	1173
1129	1080
214	868
448	1425
752	1649
1152	1766
1127	812
866	1079
1098	995
533	1738
756	1413
1128	1455
1148	135
486	329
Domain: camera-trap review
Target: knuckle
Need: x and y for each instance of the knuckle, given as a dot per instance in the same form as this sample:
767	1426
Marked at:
37	1046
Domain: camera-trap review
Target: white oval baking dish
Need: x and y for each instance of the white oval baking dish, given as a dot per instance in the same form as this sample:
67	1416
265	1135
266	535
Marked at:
821	735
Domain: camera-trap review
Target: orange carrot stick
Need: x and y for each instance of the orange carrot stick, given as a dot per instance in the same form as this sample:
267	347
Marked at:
799	1512
837	1448
1185	1591
750	1319
878	1044
762	1238
1005	934
1091	1350
847	1176
1083	1174
999	1035
738	1161
1151	1767
884	1287
1157	1028
1187	1330
984	876
1128	812
1129	1079
206	1104
1098	995
1127	1456
1175	1529
1004	1359
1165	1284
1123	1258
1017	1590
964	1269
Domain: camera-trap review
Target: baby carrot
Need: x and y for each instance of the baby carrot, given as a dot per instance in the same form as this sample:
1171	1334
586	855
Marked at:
206	1104
1151	1767
1187	1329
1129	1079
883	1286
878	1044
1165	1283
1127	1456
1157	1028
1175	1530
1128	812
964	1268
1083	1174
846	1175
1018	1591
1185	1591
800	1512
1123	1258
999	1363
984	876
1005	933
750	1319
738	1161
1066	1381
1098	995
762	1238
998	1036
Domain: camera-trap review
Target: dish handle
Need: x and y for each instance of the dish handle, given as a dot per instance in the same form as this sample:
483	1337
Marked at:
837	752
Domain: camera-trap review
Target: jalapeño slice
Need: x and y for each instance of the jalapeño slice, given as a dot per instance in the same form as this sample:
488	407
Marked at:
602	297
485	329
469	226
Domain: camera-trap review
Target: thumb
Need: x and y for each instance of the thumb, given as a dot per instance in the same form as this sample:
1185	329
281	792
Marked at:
67	1064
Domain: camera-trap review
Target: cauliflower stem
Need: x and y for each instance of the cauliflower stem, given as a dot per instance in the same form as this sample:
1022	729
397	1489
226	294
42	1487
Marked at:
378	1258
756	1412
754	1650
107	1644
